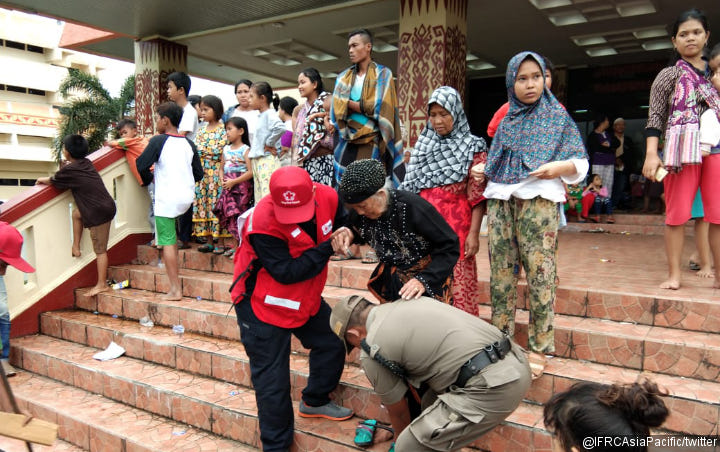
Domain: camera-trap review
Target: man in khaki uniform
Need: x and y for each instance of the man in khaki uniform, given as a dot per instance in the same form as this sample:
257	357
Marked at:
476	376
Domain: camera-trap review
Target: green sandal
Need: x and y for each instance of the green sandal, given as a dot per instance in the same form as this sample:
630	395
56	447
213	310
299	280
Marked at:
365	432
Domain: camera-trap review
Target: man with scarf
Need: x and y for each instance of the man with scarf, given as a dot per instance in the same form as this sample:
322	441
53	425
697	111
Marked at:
364	112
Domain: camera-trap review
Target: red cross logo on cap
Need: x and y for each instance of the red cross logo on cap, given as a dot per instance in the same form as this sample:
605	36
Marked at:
289	196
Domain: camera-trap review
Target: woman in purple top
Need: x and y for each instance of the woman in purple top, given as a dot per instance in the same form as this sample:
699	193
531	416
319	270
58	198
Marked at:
602	155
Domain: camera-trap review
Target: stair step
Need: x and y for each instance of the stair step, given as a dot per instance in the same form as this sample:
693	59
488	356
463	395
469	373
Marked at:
694	405
604	296
15	445
199	354
226	360
95	423
211	405
641	347
622	228
155	393
195	283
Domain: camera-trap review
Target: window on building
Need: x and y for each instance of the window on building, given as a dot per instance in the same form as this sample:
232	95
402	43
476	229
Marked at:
36	49
27	182
10	182
33	140
5	138
37	92
15	89
14	45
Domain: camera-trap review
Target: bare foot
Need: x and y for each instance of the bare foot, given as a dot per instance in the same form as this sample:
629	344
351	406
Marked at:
672	284
173	295
96	290
705	272
537	363
76	251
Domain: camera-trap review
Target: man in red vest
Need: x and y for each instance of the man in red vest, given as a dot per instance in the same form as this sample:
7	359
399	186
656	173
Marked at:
280	272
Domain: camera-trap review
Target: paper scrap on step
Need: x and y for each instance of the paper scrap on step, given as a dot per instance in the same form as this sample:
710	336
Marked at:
111	352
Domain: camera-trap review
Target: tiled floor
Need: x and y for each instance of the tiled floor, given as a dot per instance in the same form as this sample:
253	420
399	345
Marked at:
614	263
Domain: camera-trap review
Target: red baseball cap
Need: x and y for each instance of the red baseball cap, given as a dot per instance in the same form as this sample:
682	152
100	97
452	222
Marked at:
293	195
11	242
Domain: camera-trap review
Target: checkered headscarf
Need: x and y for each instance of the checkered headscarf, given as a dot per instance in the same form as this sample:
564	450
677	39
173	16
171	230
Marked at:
442	160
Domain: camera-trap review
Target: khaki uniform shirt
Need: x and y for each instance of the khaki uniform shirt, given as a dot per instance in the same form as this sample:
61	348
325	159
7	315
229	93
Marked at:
432	340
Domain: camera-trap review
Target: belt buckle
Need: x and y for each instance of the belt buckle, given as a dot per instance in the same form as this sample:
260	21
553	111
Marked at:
498	348
491	353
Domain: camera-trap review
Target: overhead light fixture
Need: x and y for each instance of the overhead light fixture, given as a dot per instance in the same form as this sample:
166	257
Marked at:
601	51
568	18
546	4
320	56
580	111
281	61
589	40
328	74
655	32
278	24
383	47
637	8
471	57
480	65
657	45
256	52
645	107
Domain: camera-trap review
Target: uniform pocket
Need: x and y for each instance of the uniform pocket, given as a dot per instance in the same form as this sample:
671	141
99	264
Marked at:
441	428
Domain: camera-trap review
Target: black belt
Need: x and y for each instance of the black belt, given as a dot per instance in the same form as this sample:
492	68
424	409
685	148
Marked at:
488	355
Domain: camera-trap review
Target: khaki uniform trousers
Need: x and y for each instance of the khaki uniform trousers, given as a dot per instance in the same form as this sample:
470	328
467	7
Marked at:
443	428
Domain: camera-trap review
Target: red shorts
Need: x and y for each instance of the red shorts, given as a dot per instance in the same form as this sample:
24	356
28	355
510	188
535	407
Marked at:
681	188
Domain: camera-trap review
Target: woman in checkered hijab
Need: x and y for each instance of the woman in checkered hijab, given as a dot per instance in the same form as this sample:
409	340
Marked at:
439	171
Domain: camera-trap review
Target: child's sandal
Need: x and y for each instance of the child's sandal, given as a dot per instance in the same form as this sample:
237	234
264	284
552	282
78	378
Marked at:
219	250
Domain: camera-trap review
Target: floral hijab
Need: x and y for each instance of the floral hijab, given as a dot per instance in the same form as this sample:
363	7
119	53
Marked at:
442	160
531	135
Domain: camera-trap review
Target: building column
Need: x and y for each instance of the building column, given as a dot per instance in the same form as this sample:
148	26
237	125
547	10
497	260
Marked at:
431	53
155	59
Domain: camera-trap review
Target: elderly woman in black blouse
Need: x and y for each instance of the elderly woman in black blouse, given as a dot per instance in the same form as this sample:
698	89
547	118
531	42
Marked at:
416	247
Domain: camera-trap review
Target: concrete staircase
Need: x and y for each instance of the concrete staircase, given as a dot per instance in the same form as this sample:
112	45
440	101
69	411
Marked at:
193	392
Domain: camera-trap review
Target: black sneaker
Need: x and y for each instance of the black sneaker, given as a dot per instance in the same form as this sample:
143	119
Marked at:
330	411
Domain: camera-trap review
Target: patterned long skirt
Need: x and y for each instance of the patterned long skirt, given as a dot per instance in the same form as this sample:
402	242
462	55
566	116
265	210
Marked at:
232	203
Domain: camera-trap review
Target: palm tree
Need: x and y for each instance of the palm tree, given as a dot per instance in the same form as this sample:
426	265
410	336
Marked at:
90	109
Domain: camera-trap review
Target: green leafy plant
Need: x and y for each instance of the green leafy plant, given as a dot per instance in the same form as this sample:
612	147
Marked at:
90	110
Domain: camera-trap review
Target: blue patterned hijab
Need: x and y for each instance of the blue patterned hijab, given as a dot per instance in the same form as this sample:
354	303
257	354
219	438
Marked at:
531	135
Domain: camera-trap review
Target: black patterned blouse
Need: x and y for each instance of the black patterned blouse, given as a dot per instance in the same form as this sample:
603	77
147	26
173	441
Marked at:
410	230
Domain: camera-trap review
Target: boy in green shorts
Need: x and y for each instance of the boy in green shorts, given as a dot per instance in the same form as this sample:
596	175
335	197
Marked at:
177	168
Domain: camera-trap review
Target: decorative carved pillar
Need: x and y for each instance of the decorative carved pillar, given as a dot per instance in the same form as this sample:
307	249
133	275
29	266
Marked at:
154	60
432	51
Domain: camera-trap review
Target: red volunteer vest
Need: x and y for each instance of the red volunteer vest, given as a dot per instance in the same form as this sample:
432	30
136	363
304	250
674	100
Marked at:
284	305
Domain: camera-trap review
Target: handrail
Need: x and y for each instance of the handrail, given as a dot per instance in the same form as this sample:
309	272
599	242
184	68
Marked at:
43	215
